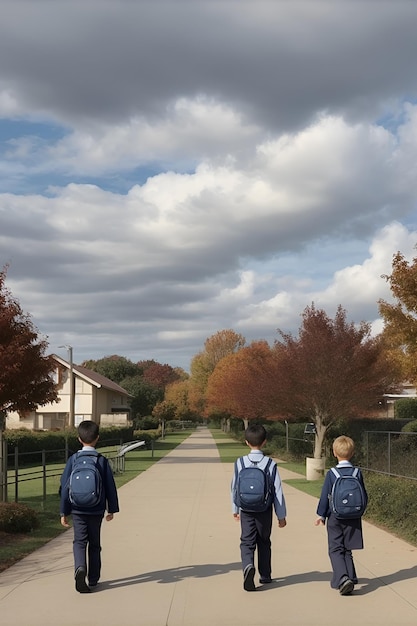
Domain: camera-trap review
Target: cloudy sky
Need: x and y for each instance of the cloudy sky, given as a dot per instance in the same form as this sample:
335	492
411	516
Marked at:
172	168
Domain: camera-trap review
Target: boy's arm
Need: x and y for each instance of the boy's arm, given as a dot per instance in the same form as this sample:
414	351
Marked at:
279	500
112	498
65	504
323	508
235	509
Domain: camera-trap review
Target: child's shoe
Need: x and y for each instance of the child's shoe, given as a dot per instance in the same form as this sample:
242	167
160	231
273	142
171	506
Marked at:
248	576
80	584
346	587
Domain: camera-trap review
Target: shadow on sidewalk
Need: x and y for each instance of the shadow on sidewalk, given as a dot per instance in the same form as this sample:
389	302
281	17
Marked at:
365	585
172	575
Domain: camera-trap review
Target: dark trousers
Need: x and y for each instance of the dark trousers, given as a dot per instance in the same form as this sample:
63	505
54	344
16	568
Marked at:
87	541
343	537
256	534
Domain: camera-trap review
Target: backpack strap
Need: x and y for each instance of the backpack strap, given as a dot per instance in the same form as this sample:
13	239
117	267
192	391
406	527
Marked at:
354	473
274	472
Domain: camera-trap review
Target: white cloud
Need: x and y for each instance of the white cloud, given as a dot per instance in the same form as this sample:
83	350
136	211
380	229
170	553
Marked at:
166	178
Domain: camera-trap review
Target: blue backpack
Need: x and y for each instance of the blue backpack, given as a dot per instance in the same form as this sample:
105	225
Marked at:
347	498
254	487
85	482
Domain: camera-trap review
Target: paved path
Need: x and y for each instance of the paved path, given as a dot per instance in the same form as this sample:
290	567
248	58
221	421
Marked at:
171	558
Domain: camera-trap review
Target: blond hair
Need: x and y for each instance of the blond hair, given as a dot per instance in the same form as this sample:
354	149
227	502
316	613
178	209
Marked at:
343	447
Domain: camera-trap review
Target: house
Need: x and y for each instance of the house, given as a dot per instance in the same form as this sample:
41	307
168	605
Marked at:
94	397
387	404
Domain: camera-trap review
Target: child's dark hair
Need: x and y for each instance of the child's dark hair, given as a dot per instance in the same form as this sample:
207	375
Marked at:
88	431
255	434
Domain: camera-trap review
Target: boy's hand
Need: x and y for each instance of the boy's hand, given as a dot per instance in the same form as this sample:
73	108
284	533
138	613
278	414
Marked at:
236	516
282	522
109	517
64	521
319	521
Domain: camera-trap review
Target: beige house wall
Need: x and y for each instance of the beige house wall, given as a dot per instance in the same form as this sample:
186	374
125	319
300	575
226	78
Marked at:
90	402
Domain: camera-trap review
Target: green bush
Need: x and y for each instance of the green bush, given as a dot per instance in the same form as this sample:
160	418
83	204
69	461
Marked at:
406	408
54	442
410	427
148	436
392	504
17	518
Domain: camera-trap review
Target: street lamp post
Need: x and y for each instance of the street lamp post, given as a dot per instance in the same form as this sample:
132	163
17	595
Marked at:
71	422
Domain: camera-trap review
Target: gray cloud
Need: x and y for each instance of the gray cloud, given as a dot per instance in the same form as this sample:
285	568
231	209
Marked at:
259	159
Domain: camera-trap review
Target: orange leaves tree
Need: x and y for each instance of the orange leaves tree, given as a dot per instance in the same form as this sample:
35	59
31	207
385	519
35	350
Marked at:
217	347
25	372
400	317
243	383
332	370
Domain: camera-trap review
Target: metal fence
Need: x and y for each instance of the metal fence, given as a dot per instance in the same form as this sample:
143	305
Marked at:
46	467
391	453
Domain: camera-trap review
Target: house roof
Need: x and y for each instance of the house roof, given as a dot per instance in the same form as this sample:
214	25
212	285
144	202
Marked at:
92	377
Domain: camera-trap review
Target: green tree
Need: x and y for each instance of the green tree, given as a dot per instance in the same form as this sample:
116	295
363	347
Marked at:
145	395
115	367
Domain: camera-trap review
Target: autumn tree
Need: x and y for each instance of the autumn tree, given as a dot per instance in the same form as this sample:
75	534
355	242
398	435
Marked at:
332	370
26	373
400	317
178	395
216	348
243	384
158	374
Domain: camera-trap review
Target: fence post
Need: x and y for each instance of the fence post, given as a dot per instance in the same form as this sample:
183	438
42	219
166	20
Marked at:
44	474
389	453
16	474
3	469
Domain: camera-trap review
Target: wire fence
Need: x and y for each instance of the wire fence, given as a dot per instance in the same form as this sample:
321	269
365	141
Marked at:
391	453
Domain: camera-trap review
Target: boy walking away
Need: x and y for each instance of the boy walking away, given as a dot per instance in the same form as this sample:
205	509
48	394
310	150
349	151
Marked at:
342	503
256	491
87	491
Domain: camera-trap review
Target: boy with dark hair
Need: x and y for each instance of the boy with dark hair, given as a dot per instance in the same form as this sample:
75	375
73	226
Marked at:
343	535
87	519
256	526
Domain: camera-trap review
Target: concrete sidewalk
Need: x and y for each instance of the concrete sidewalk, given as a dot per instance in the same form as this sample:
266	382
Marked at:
171	558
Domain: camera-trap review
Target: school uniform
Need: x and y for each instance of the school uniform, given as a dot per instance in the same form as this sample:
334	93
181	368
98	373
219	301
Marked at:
343	535
87	521
256	527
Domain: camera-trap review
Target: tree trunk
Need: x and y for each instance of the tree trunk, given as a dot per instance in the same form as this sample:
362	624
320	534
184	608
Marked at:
319	438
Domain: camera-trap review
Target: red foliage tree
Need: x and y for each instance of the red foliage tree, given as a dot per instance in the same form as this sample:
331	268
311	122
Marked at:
25	372
333	370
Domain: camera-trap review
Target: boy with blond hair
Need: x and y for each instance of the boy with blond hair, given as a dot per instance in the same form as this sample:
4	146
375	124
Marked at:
344	535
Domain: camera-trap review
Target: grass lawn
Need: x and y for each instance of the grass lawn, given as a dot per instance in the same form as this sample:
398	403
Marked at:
14	547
